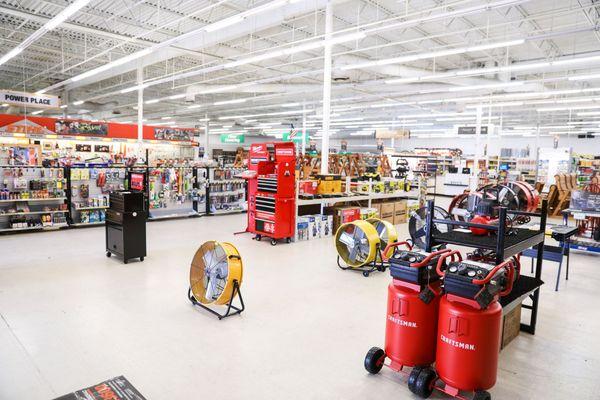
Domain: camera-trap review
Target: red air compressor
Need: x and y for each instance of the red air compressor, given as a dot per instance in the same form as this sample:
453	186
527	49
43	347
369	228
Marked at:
469	325
412	312
272	191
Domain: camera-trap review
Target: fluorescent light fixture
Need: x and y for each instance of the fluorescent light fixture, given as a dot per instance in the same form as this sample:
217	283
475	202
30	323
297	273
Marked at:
65	14
5	105
64	106
105	67
204	119
245	116
153	101
564	108
434	54
588	77
78	102
194	106
177	96
134	88
223	23
588	113
11	54
486	86
362	133
290	105
234	101
37	112
167	118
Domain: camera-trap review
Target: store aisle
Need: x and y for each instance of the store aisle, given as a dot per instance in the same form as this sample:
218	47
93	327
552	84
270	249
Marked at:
71	317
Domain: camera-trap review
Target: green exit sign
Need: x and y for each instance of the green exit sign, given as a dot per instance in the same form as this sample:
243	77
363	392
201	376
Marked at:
232	138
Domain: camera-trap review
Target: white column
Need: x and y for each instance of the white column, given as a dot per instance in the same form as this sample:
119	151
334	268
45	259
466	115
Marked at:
326	88
475	181
303	150
206	141
140	105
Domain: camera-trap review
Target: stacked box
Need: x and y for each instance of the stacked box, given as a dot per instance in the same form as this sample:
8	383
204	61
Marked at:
400	212
367	213
344	214
387	212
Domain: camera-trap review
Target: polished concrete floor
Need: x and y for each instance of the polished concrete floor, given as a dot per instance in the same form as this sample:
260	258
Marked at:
71	317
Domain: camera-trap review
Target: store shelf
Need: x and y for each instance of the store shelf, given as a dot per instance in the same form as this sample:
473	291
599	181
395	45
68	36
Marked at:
90	208
223	212
34	200
80	224
34	213
35	228
328	200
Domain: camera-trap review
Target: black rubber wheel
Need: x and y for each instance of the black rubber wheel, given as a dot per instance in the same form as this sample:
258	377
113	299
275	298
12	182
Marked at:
412	378
374	360
288	240
141	258
366	274
273	242
124	261
108	254
482	395
424	383
258	237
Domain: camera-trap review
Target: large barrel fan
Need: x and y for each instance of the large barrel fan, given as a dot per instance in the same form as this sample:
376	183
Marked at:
356	243
215	273
387	234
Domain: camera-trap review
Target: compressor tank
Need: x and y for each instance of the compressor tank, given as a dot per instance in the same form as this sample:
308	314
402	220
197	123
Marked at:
468	344
411	326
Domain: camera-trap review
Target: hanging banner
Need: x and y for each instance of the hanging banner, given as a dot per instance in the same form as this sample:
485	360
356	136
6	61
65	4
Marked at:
32	100
232	138
175	134
25	126
68	127
295	136
392	133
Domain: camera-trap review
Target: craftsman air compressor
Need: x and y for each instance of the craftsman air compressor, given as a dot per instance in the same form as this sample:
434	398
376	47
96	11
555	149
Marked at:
469	327
412	313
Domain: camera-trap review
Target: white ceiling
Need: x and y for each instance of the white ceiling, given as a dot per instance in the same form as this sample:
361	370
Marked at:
178	39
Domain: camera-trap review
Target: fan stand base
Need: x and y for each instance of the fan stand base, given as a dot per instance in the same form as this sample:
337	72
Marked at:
230	306
376	265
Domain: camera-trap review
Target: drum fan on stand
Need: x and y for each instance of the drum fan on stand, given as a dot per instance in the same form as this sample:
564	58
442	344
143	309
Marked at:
215	278
358	246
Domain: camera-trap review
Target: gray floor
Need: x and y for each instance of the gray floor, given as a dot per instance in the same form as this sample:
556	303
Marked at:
72	317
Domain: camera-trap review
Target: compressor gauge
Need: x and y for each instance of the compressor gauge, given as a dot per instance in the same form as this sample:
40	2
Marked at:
356	243
215	267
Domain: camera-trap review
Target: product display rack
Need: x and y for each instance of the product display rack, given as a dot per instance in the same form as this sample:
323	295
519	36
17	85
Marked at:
88	189
225	194
505	244
172	192
32	198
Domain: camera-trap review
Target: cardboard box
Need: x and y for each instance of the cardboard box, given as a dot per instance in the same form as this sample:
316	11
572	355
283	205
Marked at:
367	213
344	214
387	211
511	326
313	227
400	207
324	228
399	219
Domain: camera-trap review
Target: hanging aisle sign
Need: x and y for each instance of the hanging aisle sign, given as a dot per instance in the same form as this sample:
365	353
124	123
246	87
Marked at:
24	99
295	136
232	138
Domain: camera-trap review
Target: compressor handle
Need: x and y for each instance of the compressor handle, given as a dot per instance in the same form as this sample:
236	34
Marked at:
511	279
452	254
508	265
392	245
427	259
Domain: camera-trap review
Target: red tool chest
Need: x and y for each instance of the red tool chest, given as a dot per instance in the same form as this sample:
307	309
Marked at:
271	191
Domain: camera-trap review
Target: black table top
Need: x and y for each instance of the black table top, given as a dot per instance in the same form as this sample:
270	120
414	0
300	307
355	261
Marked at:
517	241
522	287
561	232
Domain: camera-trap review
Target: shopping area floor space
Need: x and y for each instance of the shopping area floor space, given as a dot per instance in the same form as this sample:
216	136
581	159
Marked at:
71	317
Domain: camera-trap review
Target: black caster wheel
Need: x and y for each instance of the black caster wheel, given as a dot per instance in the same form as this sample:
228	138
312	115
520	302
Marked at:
482	395
374	360
258	237
125	261
288	240
366	274
412	378
108	254
425	382
141	258
273	242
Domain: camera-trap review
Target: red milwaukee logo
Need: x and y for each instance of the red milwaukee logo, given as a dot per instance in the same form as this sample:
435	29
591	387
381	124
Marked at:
455	343
398	321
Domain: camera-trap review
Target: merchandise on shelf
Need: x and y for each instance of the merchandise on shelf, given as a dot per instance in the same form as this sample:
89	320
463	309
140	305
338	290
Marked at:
227	193
171	190
314	226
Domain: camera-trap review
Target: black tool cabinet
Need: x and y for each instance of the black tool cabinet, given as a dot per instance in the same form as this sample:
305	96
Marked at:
505	246
126	225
